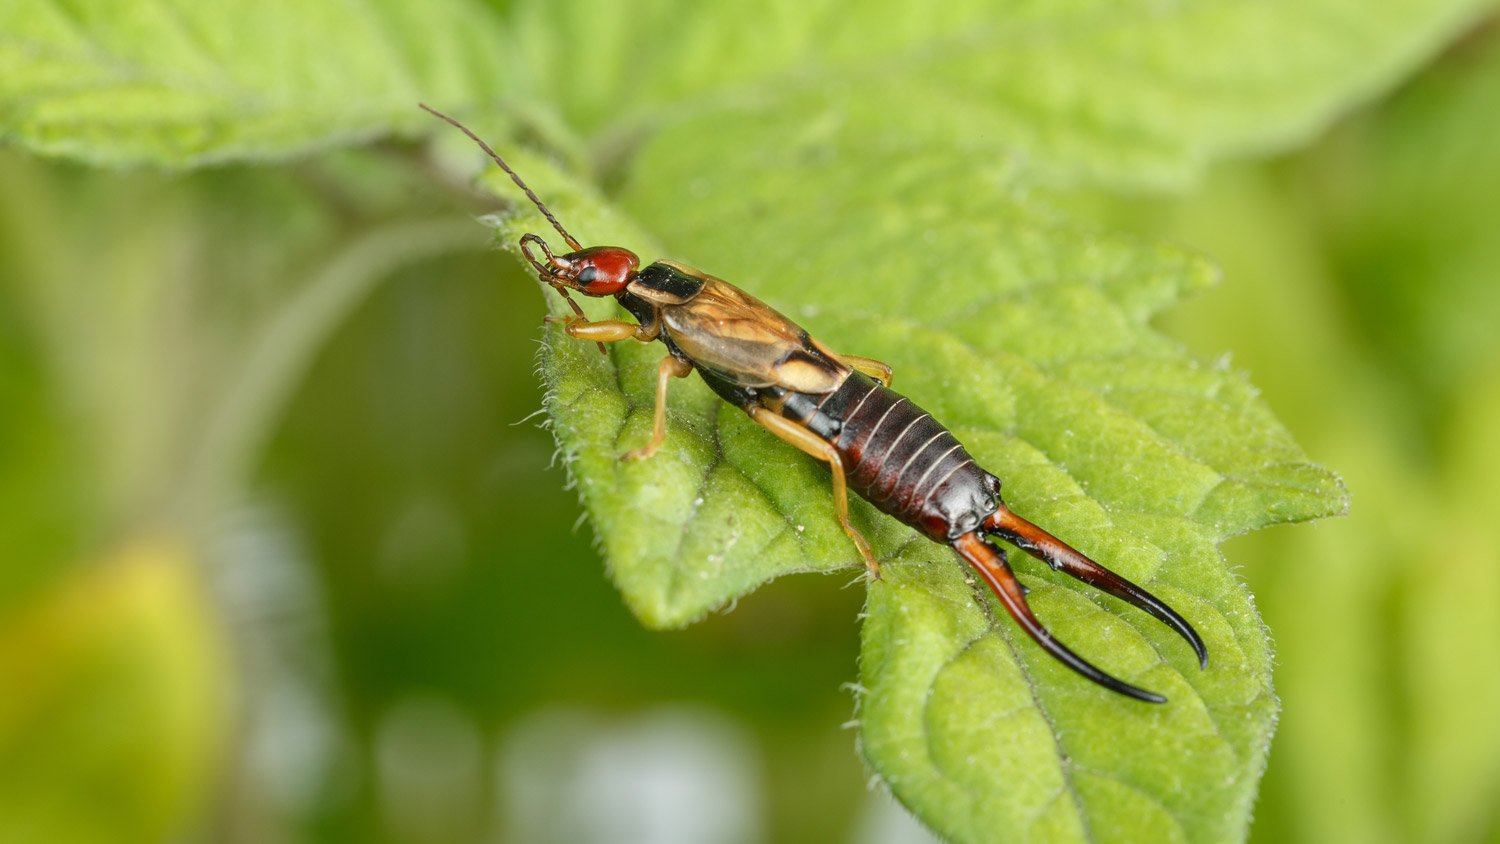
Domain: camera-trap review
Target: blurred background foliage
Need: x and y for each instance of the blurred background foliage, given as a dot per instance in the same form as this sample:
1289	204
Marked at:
369	612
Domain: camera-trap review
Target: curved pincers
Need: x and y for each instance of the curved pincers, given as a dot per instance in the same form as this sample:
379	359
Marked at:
1068	560
989	561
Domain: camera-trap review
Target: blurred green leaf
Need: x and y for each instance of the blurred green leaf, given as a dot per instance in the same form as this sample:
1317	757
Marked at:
1127	94
116	687
1406	198
43	498
1451	593
175	84
252	287
1136	93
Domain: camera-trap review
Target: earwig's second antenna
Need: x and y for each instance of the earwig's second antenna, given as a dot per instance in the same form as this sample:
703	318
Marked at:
506	167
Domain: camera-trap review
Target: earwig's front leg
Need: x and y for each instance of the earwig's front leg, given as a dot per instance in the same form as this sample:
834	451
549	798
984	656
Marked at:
878	370
605	330
669	368
811	444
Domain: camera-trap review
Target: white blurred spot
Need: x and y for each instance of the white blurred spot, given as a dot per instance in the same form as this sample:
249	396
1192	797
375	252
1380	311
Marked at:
673	776
884	821
293	743
292	746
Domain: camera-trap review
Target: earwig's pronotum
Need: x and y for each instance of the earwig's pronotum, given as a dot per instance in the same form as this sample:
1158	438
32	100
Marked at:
837	408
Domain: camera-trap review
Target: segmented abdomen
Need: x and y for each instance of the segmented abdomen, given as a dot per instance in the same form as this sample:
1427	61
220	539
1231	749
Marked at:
897	457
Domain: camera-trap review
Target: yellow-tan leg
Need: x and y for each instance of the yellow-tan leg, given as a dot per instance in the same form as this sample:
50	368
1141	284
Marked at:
811	444
669	368
878	370
604	330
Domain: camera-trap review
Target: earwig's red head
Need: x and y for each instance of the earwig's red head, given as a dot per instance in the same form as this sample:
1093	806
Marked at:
596	271
599	271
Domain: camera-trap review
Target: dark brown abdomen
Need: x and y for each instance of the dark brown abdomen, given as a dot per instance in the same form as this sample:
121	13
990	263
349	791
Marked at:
897	457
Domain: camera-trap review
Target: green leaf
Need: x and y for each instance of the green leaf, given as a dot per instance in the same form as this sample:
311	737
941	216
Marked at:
1136	93
985	737
1040	336
1030	338
174	84
1132	94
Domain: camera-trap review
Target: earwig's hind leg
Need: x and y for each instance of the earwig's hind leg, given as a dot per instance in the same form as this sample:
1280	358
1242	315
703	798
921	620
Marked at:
669	368
811	444
878	370
1063	557
989	561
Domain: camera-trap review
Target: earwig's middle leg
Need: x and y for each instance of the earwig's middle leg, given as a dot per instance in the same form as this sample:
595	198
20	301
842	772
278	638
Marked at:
879	370
669	368
815	446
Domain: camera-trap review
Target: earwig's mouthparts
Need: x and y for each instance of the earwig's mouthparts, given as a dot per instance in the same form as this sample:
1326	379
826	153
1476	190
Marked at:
989	561
548	271
1063	557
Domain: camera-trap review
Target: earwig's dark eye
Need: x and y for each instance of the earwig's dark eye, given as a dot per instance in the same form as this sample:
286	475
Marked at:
588	275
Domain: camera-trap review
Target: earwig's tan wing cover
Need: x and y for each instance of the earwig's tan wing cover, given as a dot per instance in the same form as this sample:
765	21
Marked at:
736	335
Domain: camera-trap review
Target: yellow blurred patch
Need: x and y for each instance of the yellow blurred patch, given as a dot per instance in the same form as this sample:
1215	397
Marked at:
114	707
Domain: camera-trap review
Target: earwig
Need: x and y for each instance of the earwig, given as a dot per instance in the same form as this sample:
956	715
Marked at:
837	408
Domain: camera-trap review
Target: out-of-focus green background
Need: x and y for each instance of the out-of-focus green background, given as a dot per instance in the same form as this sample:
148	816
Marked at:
394	627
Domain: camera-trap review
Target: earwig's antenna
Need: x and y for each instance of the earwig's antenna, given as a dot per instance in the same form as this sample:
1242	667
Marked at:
513	177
